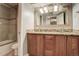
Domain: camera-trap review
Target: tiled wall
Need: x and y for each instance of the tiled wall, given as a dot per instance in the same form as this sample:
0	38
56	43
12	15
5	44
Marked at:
12	24
12	29
4	16
3	29
7	23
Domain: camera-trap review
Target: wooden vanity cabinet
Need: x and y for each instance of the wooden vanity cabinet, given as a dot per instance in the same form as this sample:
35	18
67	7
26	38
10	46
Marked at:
35	44
60	45
49	45
32	44
72	45
52	45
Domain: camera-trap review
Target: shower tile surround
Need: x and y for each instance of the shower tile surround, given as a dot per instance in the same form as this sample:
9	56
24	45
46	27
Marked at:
7	23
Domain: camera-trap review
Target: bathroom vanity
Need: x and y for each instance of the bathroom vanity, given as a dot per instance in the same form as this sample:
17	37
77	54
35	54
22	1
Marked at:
53	43
55	35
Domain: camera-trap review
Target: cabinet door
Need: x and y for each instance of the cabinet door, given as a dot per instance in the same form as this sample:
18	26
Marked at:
32	44
72	46
49	45
60	45
40	45
35	44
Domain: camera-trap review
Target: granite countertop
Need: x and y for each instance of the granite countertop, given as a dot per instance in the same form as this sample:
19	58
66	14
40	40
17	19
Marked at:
74	32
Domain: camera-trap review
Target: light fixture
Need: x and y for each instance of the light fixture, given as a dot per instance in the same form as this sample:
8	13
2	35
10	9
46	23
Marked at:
55	8
41	10
45	9
60	8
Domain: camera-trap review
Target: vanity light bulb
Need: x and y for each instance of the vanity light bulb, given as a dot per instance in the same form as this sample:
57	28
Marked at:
55	8
41	10
45	9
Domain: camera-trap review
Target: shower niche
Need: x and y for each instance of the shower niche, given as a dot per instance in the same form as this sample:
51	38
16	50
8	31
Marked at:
8	23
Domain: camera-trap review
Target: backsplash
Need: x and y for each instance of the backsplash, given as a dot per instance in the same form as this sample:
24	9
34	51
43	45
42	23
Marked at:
54	27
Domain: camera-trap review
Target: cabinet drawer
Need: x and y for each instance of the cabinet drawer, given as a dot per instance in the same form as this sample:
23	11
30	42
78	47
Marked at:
49	40
48	44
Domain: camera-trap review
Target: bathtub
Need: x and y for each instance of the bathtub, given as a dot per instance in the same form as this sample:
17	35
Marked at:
5	46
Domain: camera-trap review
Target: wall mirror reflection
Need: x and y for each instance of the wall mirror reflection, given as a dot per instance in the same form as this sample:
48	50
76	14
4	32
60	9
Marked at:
53	14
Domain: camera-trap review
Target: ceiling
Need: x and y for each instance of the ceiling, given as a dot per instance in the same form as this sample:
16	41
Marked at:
35	5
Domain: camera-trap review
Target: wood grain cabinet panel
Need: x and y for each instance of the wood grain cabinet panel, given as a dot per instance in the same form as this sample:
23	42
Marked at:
61	45
49	45
73	46
52	45
49	53
40	45
32	44
35	44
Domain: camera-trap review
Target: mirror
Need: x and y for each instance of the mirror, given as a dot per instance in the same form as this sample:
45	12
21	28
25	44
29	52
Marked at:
52	19
53	14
